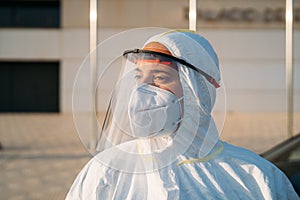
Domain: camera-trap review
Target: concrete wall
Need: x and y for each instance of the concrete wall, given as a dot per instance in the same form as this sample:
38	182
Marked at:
252	60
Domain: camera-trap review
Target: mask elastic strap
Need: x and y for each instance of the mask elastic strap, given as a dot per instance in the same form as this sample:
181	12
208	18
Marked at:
179	99
181	118
178	121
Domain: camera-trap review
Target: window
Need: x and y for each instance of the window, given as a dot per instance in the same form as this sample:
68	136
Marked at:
30	13
29	86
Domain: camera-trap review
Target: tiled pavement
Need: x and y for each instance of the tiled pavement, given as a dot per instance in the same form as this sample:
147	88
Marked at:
42	153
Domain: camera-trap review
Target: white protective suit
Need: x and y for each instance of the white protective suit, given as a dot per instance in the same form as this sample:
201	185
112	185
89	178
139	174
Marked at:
207	169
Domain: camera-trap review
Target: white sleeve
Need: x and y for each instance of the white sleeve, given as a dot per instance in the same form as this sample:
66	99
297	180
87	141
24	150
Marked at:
283	189
86	182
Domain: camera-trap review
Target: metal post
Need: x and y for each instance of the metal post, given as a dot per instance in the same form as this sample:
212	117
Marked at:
289	65
93	72
193	15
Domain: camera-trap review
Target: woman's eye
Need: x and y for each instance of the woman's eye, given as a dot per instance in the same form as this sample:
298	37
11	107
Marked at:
161	79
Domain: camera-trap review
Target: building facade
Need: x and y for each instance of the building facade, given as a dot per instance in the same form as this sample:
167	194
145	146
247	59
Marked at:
249	38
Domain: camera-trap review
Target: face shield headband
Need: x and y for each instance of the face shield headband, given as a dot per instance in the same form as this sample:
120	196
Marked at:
138	55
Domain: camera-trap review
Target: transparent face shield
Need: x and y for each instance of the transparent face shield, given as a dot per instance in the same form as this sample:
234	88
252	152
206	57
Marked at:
153	113
145	111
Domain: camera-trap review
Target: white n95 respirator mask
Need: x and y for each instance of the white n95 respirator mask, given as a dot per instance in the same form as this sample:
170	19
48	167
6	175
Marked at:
153	111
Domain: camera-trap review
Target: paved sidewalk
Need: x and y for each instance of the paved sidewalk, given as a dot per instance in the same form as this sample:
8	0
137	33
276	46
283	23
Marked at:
42	153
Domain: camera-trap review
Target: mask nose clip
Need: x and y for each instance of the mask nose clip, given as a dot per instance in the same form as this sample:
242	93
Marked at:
144	90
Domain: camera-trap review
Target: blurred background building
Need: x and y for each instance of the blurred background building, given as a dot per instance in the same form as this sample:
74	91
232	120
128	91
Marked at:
44	42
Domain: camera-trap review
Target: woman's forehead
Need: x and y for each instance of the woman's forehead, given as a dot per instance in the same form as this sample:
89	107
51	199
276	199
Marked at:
155	67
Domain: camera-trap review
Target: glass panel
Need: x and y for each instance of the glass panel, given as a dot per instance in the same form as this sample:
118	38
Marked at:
29	87
30	14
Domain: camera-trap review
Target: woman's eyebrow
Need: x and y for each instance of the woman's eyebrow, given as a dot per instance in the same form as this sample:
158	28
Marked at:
160	71
153	70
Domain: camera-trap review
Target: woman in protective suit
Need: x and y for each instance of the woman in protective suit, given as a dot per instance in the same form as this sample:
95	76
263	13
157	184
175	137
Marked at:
159	140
